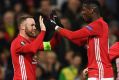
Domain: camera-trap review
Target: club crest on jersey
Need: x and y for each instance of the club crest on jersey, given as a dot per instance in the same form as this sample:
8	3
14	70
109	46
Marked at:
22	43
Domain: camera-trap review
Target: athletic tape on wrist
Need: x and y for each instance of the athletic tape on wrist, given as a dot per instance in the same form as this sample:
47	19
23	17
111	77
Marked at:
56	27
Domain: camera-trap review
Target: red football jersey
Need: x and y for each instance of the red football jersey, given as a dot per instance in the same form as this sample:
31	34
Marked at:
22	52
96	35
114	54
114	51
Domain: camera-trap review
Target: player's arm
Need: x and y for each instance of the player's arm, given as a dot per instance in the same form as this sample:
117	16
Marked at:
34	46
68	34
90	30
56	39
80	37
79	42
114	51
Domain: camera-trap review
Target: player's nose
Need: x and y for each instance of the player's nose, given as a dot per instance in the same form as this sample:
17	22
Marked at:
34	27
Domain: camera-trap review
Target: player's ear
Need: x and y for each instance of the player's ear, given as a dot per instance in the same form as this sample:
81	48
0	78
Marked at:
22	26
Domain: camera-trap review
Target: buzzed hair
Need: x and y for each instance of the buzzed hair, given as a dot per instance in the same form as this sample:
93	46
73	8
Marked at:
22	18
41	1
93	4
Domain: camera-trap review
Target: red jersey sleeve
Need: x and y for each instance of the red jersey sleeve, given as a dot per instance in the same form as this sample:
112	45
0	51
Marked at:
93	29
114	51
33	46
41	48
80	42
57	40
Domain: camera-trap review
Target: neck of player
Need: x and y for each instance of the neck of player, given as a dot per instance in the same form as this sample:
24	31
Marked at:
95	17
23	34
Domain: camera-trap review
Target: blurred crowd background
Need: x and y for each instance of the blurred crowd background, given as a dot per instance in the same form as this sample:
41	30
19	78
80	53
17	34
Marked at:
66	61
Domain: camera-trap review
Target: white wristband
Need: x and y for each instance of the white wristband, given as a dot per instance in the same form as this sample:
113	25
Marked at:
56	27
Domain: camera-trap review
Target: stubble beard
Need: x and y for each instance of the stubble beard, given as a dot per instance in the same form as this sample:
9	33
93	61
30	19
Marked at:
31	34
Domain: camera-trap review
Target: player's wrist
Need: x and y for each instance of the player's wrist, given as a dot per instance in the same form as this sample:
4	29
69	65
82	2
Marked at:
57	27
43	29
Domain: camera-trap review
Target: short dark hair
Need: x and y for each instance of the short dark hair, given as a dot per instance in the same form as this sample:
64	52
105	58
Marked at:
95	4
41	1
22	18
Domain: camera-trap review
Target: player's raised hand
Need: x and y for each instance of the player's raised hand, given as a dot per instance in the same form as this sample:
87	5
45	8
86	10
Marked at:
55	21
42	25
55	17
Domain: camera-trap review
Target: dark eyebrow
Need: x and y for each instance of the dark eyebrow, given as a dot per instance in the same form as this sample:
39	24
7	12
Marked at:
33	24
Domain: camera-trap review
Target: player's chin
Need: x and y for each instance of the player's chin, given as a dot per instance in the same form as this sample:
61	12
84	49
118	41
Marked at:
33	35
85	18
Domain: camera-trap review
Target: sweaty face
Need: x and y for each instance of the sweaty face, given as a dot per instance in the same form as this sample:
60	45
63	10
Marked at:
30	28
86	13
